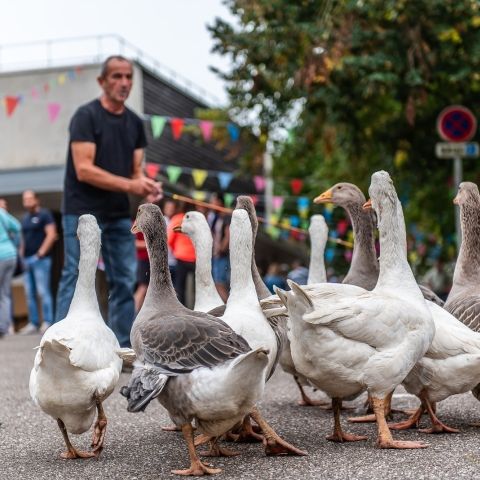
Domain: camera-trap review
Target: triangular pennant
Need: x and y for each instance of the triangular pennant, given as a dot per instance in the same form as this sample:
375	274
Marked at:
206	128
277	202
202	196
224	179
274	219
71	74
177	126
254	199
233	131
53	109
152	169
303	202
173	173
10	104
274	232
34	93
46	87
259	182
157	123
199	177
294	220
228	199
61	79
296	184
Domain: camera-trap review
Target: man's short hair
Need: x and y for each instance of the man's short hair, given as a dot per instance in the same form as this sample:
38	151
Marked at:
104	69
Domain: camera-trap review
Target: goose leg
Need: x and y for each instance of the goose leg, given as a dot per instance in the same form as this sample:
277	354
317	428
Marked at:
306	401
217	451
274	444
338	435
412	422
99	429
171	428
437	425
385	439
71	452
196	466
370	418
246	433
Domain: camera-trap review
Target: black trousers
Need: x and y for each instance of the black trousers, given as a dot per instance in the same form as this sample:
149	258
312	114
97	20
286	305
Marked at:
182	269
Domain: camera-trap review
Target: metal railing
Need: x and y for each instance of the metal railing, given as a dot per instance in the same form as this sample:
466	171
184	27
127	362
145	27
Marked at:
88	49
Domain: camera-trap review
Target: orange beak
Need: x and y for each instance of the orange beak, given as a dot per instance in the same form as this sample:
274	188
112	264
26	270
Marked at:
456	201
325	197
177	228
134	228
367	205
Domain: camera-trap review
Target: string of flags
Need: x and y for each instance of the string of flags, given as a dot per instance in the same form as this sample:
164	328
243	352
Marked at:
12	102
206	127
224	178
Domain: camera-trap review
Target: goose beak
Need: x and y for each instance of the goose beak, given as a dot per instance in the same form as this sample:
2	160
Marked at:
177	228
456	201
134	228
325	197
367	205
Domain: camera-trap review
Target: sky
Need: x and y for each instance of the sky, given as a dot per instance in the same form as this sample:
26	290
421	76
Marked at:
172	32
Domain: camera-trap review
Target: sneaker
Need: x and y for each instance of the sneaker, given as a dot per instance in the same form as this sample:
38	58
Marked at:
43	327
28	329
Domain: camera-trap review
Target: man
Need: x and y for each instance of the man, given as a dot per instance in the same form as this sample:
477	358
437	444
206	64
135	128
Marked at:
104	165
39	234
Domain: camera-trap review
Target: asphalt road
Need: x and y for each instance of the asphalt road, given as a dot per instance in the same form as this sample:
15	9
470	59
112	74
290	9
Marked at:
136	447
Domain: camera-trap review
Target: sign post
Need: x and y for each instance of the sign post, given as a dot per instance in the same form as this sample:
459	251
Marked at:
457	124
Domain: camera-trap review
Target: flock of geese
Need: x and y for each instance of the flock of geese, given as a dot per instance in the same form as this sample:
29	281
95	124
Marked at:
208	367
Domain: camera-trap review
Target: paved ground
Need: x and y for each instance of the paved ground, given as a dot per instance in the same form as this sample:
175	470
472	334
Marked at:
136	448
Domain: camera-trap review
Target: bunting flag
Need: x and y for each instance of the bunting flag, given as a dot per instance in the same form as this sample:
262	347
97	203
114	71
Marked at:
46	87
302	205
173	172
10	104
34	93
61	79
202	196
71	74
53	109
294	220
224	179
199	177
342	227
328	212
233	131
177	126
259	182
277	202
296	185
206	128
228	199
329	254
152	169
254	199
157	125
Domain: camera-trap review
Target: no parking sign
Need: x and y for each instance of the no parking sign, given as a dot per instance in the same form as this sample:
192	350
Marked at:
456	124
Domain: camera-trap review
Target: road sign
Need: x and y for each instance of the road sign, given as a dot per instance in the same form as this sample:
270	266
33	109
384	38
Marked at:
457	149
456	124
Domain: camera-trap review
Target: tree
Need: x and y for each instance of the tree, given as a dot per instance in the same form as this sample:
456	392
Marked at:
368	79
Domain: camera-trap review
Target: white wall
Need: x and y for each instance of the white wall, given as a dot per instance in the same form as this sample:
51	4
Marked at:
27	138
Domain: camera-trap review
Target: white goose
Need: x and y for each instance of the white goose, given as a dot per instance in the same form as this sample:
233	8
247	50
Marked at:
77	364
196	365
195	225
345	339
318	231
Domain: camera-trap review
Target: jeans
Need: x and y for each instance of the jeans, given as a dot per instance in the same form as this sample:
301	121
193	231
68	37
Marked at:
7	268
37	284
118	252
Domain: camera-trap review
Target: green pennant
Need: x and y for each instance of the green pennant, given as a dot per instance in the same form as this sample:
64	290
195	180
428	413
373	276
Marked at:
173	173
157	123
228	199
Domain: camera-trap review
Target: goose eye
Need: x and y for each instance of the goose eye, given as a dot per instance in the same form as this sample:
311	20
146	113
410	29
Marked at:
339	187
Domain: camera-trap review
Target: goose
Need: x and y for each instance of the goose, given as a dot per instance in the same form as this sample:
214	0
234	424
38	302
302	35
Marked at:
346	339
77	364
364	267
463	301
197	366
318	231
194	224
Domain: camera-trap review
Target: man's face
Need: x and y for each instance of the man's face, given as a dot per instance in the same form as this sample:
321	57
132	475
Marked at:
30	202
117	83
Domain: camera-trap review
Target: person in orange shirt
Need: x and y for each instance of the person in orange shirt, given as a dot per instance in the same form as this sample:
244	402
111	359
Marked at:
184	252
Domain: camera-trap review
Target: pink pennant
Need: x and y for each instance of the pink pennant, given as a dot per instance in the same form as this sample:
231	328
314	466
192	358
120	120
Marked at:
34	93
177	127
53	111
152	169
277	202
342	227
259	182
207	129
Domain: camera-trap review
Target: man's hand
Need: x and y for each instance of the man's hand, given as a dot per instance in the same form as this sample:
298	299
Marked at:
146	187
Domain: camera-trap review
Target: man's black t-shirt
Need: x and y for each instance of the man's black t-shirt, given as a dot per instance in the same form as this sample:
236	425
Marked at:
116	137
33	230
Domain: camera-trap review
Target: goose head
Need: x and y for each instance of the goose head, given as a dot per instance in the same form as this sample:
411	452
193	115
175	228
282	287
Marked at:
467	193
383	197
246	203
192	223
149	220
88	232
342	194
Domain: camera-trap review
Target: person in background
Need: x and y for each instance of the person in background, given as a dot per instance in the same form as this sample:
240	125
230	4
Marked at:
183	251
437	279
10	231
274	277
105	165
220	225
39	235
298	273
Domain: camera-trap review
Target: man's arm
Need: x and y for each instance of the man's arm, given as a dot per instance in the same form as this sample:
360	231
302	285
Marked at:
50	238
83	154
157	193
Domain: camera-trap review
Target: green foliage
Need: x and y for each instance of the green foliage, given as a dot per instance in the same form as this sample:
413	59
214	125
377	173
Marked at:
368	102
